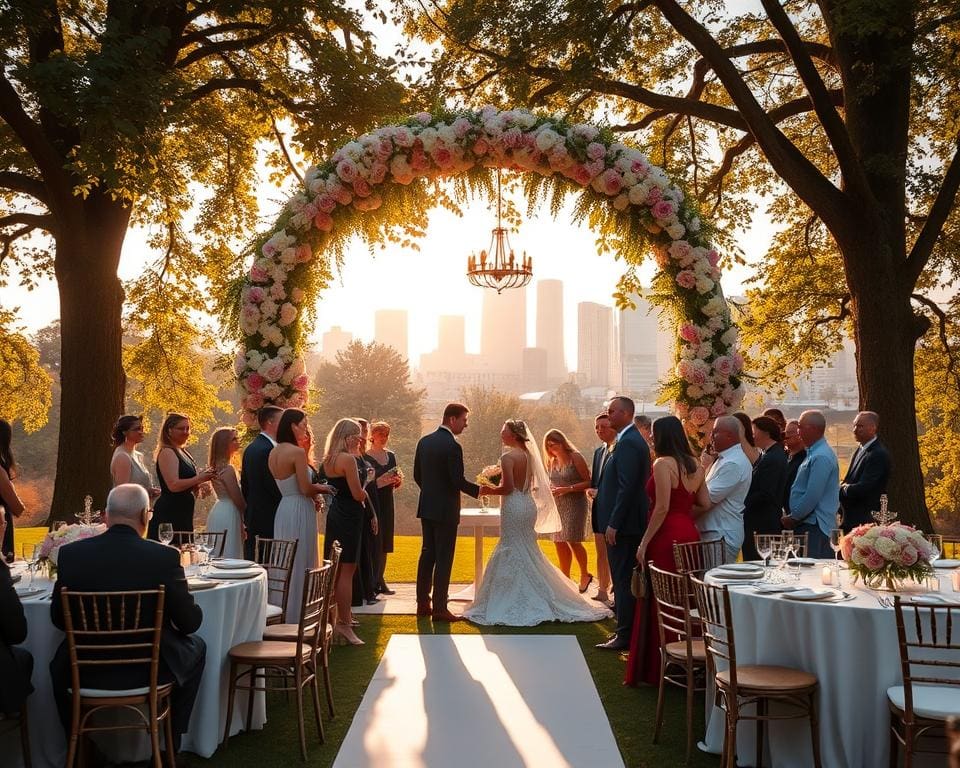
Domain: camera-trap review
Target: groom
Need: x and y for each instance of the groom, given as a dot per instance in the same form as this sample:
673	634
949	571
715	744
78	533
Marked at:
259	489
438	471
621	512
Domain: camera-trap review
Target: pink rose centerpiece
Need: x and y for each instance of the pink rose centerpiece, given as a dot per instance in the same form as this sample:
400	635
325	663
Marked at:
50	546
885	556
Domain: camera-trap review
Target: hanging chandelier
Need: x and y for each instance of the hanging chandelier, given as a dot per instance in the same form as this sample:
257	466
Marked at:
497	267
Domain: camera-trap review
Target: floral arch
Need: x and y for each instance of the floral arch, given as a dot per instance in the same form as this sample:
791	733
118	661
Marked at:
367	183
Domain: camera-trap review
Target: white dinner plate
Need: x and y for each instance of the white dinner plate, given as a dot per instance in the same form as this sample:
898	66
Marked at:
803	562
946	563
229	562
195	584
25	592
235	573
810	595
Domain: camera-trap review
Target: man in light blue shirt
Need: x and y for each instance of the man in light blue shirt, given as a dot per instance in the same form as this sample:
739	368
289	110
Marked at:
815	495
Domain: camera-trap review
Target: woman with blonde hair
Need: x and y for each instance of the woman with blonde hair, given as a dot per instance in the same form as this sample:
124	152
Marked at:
569	480
180	480
346	516
227	514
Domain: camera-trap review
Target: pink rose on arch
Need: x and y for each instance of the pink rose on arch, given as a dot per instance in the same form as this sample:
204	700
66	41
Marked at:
249	418
255	382
378	172
611	182
361	188
277	292
718	408
663	209
512	138
256	294
640	168
423	117
301	382
288	313
686	279
723	365
596	150
713	257
344	196
737	362
689	333
581	175
443	156
347	170
461	127
699	415
304	254
296	295
323	222
481	147
258	274
253	402
326	203
269	249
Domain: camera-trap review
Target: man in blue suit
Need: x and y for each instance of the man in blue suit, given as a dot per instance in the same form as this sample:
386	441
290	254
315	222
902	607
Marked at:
621	512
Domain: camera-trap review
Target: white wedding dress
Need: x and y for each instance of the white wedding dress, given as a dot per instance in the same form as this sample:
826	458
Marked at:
520	587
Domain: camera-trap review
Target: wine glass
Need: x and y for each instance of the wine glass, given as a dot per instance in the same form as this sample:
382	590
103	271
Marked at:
764	546
936	544
31	554
165	532
200	539
836	537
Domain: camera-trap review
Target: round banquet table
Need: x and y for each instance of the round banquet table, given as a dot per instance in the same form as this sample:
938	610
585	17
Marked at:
851	647
233	612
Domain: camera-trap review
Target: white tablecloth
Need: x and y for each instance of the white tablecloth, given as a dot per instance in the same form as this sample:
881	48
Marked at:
233	612
853	650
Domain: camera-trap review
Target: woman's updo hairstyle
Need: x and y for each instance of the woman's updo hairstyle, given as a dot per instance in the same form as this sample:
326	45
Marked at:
519	430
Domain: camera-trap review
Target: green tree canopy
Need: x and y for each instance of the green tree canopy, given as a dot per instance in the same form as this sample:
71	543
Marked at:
159	113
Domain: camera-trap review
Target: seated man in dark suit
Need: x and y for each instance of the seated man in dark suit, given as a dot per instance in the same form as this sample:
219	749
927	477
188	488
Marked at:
122	559
16	664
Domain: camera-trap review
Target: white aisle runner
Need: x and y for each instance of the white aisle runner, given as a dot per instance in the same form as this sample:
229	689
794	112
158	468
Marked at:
458	701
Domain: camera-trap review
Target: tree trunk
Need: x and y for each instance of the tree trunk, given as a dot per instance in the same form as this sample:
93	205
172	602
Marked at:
886	332
91	375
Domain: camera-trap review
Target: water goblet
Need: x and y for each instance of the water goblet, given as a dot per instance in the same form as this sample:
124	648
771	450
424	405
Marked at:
836	535
935	540
200	541
165	532
764	546
31	555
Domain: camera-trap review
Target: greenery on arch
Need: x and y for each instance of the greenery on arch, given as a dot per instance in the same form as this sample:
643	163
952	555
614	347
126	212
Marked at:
375	184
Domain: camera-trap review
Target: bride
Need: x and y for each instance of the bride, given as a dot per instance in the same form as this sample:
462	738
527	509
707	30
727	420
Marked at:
520	587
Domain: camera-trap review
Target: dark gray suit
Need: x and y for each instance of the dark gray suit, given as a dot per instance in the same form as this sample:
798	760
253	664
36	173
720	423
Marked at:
260	491
865	481
622	504
438	472
16	664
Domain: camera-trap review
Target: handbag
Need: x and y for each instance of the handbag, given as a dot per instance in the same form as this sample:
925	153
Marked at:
638	582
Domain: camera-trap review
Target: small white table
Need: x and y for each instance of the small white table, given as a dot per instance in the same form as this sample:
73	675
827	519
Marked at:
479	520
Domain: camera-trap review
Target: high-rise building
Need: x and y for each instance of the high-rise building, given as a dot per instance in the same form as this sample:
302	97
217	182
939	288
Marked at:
534	377
390	329
595	344
335	340
550	328
639	349
503	332
450	353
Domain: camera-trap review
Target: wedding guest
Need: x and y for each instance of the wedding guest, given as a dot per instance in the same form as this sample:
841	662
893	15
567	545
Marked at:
644	425
259	488
796	453
227	513
9	500
345	520
868	473
728	480
365	578
389	479
762	509
16	664
747	442
814	495
777	415
677	482
127	465
180	480
296	514
120	560
607	435
569	480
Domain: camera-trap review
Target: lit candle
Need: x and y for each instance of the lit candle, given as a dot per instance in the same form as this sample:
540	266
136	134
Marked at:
955	577
826	575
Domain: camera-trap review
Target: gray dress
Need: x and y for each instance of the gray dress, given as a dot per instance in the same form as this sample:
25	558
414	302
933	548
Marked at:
297	521
571	506
138	473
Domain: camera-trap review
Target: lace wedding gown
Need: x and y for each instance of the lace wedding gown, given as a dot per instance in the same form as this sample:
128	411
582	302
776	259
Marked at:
520	587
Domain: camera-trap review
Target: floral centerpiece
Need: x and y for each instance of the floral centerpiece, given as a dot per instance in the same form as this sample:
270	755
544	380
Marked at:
67	534
885	556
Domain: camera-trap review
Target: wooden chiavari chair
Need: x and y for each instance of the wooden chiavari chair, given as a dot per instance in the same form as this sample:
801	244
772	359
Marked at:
698	557
276	556
216	540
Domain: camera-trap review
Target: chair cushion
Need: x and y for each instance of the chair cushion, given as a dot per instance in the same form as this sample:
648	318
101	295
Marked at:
107	693
678	650
265	651
934	702
273	610
769	679
287	633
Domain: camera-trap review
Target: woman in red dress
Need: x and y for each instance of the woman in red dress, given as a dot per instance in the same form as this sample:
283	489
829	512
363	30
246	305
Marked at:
675	486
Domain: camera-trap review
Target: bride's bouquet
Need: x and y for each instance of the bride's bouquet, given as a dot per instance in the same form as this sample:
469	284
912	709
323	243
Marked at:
490	476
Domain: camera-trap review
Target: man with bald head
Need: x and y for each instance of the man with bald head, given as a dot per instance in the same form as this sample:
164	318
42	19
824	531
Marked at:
728	481
121	559
867	475
814	495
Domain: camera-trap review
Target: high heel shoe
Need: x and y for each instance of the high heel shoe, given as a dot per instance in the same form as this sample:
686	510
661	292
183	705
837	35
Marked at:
346	635
585	587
